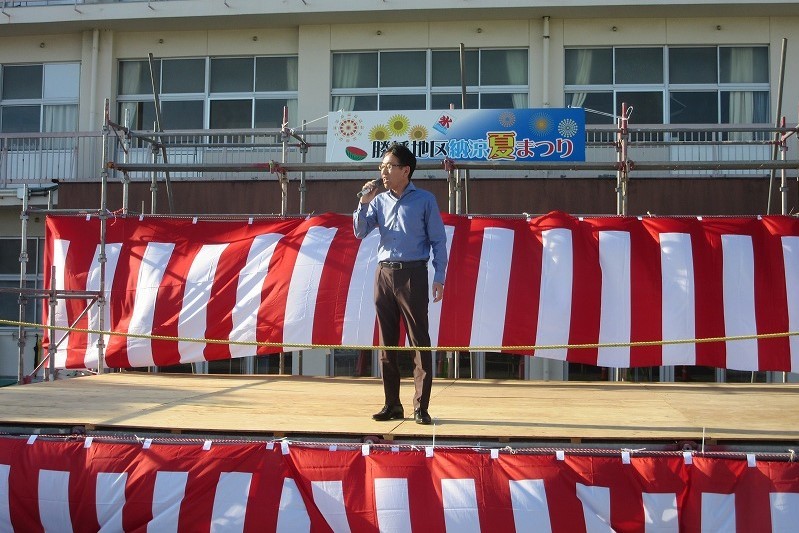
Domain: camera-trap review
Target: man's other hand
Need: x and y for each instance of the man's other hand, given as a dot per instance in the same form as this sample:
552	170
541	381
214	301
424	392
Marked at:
438	291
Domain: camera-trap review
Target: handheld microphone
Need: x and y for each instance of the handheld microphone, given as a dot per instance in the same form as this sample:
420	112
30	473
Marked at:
368	188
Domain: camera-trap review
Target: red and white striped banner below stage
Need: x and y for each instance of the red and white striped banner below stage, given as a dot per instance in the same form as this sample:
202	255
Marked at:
81	486
555	280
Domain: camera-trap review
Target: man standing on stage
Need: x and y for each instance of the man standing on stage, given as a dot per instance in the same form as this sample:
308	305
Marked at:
410	227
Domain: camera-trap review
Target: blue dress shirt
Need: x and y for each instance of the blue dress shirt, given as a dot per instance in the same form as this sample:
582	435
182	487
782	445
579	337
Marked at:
410	226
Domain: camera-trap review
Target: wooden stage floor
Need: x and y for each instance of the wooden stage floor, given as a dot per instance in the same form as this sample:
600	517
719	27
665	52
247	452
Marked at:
319	408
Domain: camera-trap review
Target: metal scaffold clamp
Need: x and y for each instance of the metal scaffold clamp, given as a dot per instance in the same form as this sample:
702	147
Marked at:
625	166
277	168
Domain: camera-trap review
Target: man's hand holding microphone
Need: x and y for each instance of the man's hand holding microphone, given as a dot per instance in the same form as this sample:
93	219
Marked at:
369	191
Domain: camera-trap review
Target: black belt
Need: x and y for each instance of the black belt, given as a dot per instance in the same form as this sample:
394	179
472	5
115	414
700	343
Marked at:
399	265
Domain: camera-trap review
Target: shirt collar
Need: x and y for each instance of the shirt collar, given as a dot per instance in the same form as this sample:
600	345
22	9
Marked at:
408	188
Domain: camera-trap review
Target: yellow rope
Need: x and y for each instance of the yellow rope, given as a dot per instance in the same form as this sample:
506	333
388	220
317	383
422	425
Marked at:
421	348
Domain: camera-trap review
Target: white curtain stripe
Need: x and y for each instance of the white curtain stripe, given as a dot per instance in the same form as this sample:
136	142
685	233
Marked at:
392	505
93	284
292	516
678	290
491	294
596	508
329	499
54	512
790	257
739	300
170	488
459	498
718	513
434	309
784	511
360	314
5	504
615	319
230	502
151	272
193	318
555	301
660	513
304	285
248	293
60	249
530	508
110	500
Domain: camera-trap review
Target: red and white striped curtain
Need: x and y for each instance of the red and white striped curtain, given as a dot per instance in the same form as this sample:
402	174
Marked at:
182	288
80	485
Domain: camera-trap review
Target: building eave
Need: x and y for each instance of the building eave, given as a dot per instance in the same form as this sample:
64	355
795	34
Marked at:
199	15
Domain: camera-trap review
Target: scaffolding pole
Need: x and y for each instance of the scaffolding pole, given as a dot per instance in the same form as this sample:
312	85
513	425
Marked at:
623	170
102	259
622	177
158	129
473	165
23	274
777	120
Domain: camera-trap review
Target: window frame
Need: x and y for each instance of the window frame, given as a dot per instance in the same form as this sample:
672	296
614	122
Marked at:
428	90
42	101
34	276
144	101
667	88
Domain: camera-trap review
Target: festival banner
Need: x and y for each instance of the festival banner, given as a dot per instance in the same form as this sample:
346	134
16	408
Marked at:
492	135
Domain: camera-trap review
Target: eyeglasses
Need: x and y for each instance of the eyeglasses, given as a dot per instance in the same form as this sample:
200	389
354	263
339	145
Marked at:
388	166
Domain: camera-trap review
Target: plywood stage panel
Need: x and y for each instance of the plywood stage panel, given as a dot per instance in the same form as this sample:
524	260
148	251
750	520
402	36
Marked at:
463	410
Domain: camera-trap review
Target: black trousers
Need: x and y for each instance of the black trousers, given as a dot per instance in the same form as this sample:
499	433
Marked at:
404	295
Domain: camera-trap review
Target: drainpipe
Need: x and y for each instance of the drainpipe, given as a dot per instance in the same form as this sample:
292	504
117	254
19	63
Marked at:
545	65
93	83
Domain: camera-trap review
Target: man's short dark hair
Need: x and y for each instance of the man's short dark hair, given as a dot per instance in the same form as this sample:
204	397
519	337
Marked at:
403	155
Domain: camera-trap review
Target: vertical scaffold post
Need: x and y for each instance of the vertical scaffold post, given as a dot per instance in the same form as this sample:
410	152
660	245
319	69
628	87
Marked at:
282	175
304	155
157	129
154	180
101	259
622	174
783	177
777	121
284	191
126	159
23	271
449	167
459	191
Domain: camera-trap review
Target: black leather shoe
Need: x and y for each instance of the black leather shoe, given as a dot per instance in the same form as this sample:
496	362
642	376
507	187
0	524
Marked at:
422	417
390	412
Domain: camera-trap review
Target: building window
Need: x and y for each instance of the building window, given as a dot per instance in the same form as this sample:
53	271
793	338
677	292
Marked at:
39	98
9	277
429	79
215	93
670	85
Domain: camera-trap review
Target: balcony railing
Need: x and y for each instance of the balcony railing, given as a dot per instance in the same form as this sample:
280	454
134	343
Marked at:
37	158
656	151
